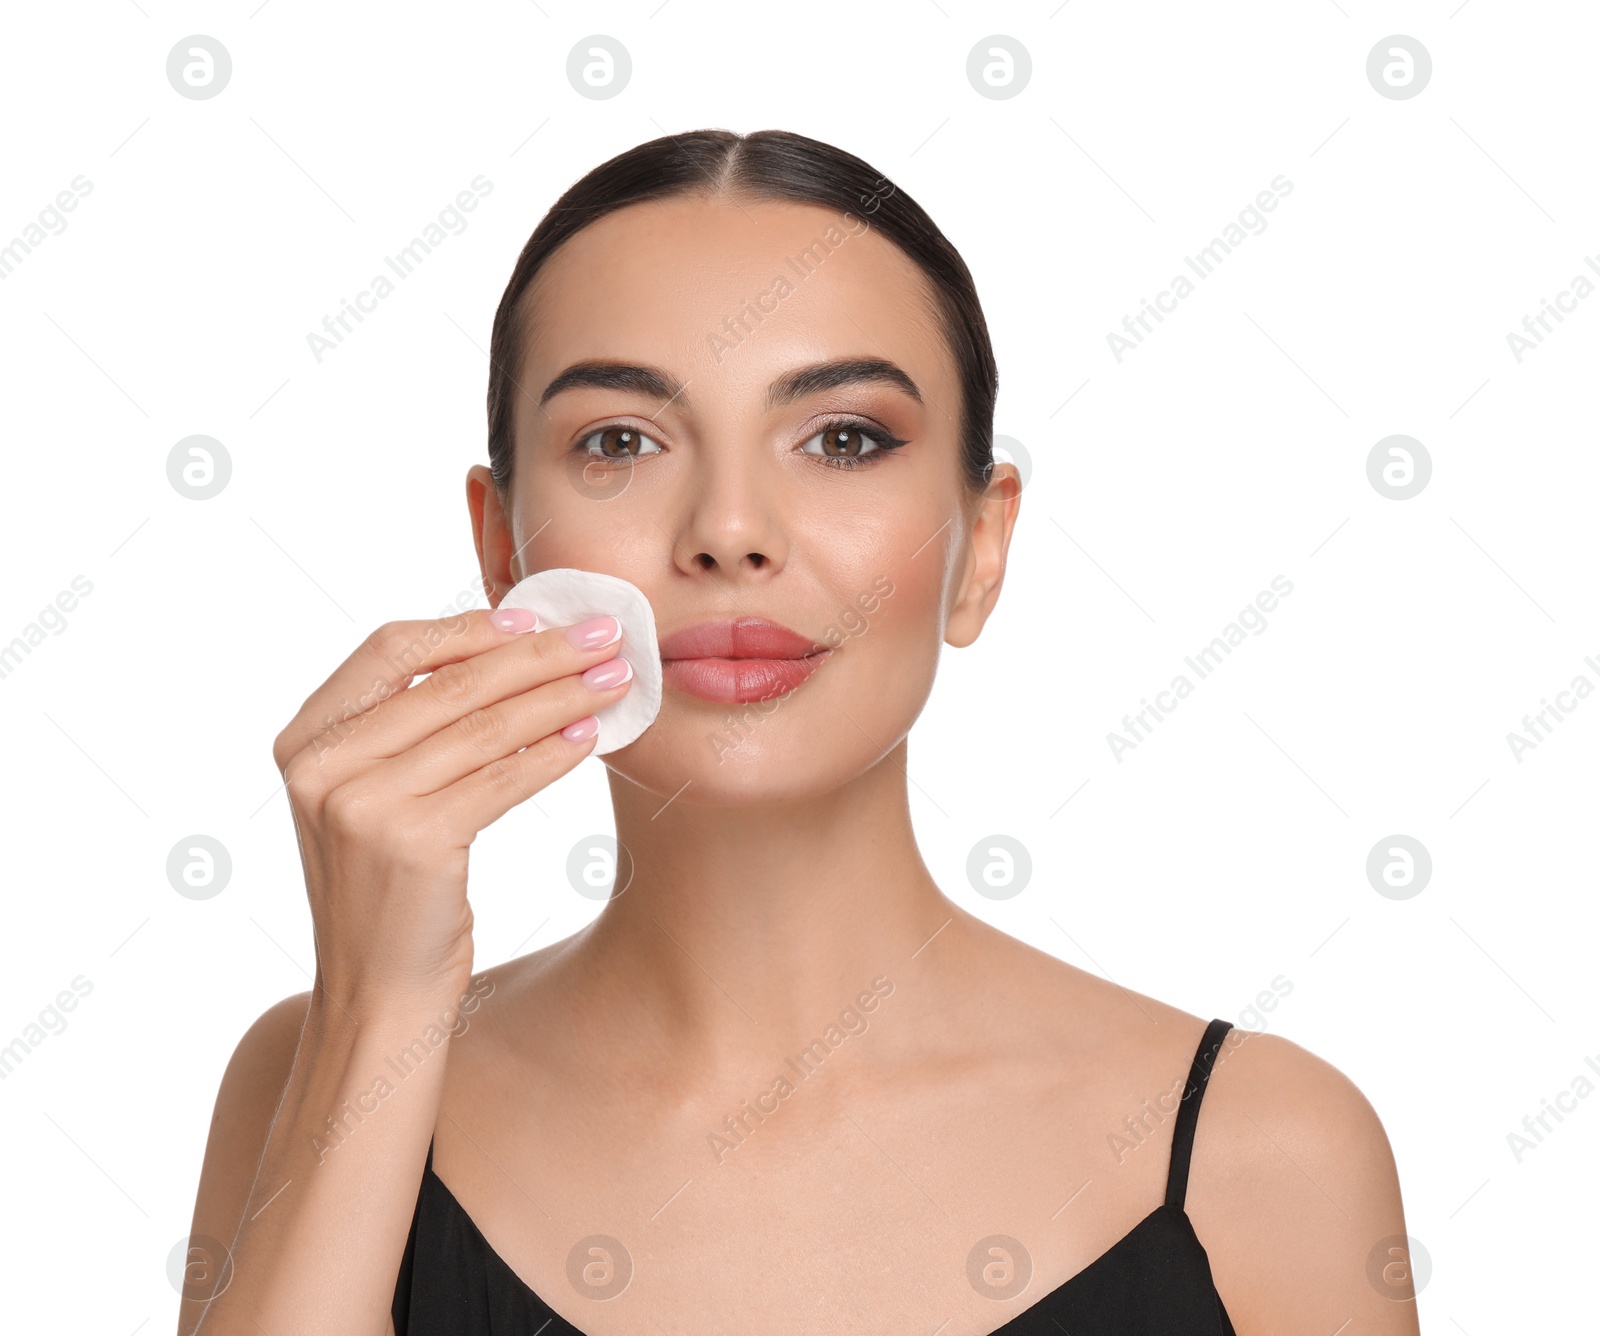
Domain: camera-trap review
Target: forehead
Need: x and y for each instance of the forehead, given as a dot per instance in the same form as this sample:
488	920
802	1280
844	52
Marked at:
731	292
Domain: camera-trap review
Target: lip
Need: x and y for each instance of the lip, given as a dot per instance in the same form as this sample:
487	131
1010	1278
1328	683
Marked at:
741	638
739	661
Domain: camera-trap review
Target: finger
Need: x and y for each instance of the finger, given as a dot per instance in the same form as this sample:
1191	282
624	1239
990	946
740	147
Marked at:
381	665
455	690
344	713
479	799
495	732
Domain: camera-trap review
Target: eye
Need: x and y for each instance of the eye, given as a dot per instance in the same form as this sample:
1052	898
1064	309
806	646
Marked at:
850	445
617	442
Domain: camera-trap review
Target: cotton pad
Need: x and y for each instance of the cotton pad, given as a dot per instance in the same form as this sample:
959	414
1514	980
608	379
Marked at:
565	596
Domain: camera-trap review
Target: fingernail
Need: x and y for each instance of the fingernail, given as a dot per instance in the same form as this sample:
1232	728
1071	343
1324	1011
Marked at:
583	730
595	632
514	619
611	673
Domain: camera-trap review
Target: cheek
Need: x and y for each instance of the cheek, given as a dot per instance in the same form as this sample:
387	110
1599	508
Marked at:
888	624
563	523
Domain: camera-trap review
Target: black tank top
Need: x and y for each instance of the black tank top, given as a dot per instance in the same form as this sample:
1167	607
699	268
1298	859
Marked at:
1154	1279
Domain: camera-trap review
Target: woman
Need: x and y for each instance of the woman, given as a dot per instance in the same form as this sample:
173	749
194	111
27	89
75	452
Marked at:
782	1084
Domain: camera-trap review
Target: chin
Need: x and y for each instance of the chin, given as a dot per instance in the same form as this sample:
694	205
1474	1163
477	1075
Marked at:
739	756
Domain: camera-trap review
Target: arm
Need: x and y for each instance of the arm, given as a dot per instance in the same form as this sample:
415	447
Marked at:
331	1209
316	1154
246	1102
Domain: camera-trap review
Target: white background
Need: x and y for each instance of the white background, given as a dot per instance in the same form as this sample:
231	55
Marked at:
1167	490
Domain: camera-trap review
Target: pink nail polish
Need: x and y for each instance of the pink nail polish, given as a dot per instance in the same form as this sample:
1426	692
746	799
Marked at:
582	730
594	633
611	673
514	619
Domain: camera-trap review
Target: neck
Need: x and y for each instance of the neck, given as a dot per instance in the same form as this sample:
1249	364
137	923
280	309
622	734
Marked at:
752	927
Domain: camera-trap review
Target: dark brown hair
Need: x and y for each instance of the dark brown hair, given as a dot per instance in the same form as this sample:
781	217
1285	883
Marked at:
767	164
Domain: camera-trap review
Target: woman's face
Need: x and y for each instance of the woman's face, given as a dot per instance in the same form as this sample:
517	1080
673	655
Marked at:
697	370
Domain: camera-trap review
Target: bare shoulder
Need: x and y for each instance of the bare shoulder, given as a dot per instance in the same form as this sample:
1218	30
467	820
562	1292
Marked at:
517	985
1293	1189
247	1101
1061	1009
1294	1194
248	1095
265	1052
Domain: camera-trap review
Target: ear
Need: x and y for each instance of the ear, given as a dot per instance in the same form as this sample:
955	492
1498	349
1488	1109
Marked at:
985	566
491	535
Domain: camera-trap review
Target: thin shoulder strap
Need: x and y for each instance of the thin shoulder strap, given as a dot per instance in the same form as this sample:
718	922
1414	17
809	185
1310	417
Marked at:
1189	1111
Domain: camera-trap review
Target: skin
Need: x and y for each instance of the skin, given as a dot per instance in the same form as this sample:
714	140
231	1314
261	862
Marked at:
775	877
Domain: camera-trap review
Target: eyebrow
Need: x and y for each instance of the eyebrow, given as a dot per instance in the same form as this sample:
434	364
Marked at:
652	382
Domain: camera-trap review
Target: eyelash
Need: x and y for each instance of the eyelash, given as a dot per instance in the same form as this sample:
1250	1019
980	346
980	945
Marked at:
884	442
881	439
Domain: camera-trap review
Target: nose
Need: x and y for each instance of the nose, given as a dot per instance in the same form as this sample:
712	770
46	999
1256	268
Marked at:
732	525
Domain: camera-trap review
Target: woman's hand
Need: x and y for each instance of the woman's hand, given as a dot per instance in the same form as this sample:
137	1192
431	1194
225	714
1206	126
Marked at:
390	783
